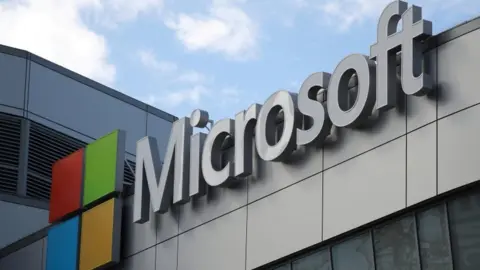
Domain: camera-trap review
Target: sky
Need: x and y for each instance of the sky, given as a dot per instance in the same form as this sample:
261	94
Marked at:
216	55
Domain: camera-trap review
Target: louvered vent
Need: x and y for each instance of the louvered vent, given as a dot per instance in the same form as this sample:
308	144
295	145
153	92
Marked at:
10	130
129	174
8	180
46	146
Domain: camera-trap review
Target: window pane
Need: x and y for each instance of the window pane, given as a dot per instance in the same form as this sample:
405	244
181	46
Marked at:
396	247
316	261
433	237
283	267
356	253
465	232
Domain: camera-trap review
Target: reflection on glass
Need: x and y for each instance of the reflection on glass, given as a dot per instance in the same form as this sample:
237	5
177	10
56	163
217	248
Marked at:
433	237
464	213
396	247
283	267
315	261
356	253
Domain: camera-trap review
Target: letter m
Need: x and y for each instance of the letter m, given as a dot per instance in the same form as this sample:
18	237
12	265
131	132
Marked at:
170	184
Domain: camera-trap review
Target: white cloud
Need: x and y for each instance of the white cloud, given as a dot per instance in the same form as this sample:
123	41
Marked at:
54	30
343	14
192	77
193	96
149	60
112	12
57	30
227	29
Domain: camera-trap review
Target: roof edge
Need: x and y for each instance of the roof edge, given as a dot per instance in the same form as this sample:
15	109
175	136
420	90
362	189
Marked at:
87	81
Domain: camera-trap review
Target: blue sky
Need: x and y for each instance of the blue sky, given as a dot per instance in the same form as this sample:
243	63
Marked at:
217	55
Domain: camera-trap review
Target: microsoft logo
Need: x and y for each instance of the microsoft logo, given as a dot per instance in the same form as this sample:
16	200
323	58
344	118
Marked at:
86	206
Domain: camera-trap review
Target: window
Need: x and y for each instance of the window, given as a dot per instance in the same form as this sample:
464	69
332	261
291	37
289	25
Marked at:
445	236
396	246
315	261
356	253
464	215
433	239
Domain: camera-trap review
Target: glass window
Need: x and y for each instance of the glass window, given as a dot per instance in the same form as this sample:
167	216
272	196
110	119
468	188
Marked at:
283	267
433	238
464	214
315	261
396	246
356	253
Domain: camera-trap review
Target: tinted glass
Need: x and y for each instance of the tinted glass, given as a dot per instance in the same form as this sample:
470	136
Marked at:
396	246
283	267
464	216
356	253
433	238
315	261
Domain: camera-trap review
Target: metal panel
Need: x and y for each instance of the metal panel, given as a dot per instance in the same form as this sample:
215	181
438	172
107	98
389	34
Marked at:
364	189
458	149
352	142
136	237
82	108
11	110
12	76
144	260
167	255
29	257
272	176
217	202
423	110
458	73
14	227
285	222
217	245
422	164
160	129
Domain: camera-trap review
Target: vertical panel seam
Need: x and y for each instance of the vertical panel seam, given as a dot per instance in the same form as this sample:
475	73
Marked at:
406	153
436	121
246	228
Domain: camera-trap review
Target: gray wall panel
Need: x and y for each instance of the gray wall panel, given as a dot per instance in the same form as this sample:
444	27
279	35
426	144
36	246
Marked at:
167	255
458	149
167	225
27	258
160	129
364	189
136	237
423	110
60	128
217	245
12	76
11	110
458	66
77	106
144	260
352	142
217	202
19	221
272	176
285	222
422	164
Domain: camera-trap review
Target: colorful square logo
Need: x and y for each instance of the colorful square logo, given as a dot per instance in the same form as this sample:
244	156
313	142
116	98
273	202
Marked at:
86	206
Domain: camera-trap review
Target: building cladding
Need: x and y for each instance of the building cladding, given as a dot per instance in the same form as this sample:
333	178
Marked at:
46	113
402	194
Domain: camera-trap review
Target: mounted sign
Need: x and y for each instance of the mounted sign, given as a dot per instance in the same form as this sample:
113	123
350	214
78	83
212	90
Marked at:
193	161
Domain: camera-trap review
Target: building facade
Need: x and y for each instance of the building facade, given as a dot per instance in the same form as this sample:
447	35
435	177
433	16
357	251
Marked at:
47	112
401	192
